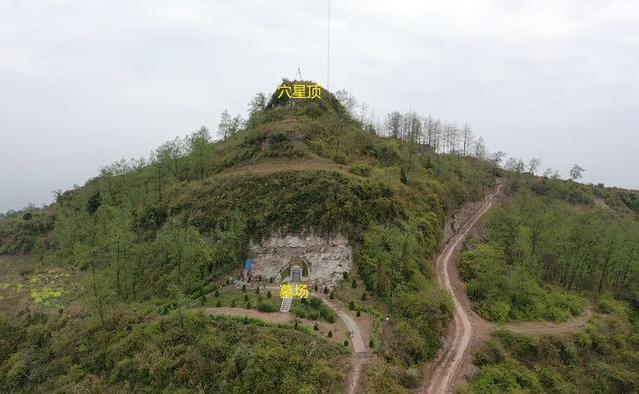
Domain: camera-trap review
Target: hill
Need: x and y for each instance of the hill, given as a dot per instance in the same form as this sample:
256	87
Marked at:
152	239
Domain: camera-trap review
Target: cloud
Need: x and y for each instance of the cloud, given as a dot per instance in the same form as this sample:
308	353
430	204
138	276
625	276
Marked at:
83	84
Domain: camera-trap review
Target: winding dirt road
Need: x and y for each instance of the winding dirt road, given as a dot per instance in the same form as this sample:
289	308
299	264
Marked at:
469	326
451	358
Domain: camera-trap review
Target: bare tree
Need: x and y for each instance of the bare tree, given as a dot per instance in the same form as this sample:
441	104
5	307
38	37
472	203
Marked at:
393	124
533	164
576	172
467	138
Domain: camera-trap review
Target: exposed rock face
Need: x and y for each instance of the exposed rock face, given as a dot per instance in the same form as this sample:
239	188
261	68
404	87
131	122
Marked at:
326	258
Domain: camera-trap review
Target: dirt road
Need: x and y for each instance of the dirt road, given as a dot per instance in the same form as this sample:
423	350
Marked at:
572	326
451	358
470	326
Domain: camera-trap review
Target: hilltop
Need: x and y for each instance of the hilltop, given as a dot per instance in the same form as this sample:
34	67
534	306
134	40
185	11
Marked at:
150	235
147	246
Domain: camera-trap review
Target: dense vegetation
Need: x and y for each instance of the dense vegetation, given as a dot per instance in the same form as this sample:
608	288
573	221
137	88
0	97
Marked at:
144	353
602	359
539	257
552	248
160	233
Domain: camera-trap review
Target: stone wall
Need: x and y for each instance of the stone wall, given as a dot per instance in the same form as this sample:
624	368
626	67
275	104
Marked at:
327	258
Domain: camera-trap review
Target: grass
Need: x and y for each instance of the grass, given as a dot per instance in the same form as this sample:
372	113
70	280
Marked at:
227	295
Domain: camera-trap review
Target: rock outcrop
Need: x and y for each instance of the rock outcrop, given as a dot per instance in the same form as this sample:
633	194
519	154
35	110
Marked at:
326	258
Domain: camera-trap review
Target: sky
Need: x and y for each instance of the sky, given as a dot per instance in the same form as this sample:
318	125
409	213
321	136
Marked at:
84	84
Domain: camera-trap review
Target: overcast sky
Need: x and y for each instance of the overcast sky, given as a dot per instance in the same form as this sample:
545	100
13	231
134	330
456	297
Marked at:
85	83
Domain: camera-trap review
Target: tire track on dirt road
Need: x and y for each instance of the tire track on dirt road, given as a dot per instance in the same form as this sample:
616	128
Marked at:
451	358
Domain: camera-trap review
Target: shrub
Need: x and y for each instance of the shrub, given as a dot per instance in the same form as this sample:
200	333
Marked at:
330	334
354	284
358	313
218	303
233	304
351	305
345	342
266	307
268	294
361	169
364	297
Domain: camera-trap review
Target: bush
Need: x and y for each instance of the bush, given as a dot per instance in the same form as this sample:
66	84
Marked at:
361	169
265	306
268	294
354	284
330	334
351	305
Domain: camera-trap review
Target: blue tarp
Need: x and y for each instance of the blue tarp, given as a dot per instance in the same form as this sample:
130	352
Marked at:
248	264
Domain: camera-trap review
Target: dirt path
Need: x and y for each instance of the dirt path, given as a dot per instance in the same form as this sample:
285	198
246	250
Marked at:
572	326
469	329
453	354
361	353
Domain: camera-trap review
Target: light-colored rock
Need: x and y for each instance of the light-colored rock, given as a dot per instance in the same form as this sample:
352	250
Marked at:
327	258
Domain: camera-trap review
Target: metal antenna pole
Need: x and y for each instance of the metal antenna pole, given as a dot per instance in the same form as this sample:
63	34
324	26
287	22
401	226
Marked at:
328	49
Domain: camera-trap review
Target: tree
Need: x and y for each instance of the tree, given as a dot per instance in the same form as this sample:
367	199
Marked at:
393	124
94	203
576	172
497	157
347	100
117	237
533	164
480	148
256	105
200	146
84	255
225	125
467	137
548	172
185	253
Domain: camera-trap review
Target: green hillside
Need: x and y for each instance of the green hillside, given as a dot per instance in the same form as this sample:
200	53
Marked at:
151	239
553	249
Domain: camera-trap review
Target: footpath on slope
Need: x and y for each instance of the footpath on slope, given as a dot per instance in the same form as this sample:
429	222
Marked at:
361	353
469	330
